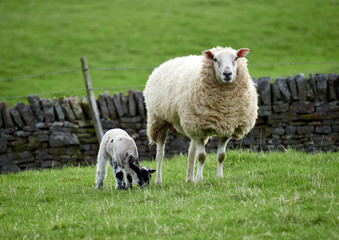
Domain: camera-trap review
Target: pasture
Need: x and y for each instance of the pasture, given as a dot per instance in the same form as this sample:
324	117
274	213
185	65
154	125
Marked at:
44	37
290	195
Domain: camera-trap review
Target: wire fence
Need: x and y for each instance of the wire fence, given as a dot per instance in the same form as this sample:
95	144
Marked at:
127	69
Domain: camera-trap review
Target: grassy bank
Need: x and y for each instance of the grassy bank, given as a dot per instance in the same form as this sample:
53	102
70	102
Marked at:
289	195
42	37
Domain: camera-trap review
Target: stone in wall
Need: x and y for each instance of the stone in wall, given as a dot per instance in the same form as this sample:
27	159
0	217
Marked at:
4	108
60	116
302	107
284	91
124	103
139	98
86	108
26	114
313	85
16	118
131	104
102	105
110	106
59	139
117	105
333	86
301	86
310	96
292	86
67	110
34	103
76	107
321	85
265	90
47	110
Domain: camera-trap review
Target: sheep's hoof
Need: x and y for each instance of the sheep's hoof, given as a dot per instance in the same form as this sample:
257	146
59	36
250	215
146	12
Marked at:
158	182
198	179
189	179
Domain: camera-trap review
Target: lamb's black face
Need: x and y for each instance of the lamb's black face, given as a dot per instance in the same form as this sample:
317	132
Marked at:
143	174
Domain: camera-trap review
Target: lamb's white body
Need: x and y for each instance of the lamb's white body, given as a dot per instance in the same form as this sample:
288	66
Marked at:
120	149
201	96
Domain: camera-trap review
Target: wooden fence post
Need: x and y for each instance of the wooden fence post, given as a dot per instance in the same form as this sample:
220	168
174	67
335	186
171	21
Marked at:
92	101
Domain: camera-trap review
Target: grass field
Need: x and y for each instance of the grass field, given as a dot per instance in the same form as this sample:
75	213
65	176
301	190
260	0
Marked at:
290	195
50	36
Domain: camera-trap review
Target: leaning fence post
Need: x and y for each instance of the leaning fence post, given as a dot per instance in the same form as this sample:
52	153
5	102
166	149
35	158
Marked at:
92	102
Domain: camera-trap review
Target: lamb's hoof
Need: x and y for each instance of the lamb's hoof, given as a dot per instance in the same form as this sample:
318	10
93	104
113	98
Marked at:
100	186
121	187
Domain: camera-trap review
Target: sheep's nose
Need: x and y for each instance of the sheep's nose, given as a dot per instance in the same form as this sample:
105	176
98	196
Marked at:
227	74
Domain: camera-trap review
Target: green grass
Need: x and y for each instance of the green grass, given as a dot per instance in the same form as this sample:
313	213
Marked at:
49	36
290	195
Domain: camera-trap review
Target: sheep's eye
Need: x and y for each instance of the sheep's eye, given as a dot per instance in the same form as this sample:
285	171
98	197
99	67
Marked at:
215	60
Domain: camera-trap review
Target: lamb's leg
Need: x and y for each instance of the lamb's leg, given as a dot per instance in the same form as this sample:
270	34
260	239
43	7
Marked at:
102	160
191	162
159	158
129	183
221	155
119	175
201	154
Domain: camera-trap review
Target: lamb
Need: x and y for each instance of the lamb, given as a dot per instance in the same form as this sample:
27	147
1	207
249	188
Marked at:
118	147
200	97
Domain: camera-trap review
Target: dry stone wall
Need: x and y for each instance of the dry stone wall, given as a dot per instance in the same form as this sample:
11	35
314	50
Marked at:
296	112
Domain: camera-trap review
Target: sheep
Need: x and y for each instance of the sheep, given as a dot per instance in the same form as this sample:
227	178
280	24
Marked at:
200	97
120	149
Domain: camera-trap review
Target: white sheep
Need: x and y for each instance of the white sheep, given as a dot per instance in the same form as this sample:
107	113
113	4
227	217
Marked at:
199	97
118	148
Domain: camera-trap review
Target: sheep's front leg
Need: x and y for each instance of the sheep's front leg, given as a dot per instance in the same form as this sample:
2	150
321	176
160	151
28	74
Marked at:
221	155
191	162
159	157
201	154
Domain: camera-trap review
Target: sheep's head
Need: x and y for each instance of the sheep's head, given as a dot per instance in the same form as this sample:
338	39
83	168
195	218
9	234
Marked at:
225	62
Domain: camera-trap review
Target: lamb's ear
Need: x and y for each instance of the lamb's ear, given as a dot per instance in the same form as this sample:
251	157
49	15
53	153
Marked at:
151	170
242	52
208	54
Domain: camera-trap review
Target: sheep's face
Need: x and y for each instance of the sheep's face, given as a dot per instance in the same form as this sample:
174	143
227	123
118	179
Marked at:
225	63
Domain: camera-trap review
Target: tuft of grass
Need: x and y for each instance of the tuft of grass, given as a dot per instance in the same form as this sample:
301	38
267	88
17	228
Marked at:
42	37
290	195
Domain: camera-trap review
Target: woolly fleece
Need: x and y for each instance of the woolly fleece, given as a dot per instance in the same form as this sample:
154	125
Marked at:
184	92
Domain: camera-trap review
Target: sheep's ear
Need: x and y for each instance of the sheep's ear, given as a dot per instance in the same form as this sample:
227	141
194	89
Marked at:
151	170
242	52
208	54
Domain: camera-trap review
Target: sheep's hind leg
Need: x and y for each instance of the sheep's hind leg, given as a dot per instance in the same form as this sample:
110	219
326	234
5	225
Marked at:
201	154
221	155
191	162
157	131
